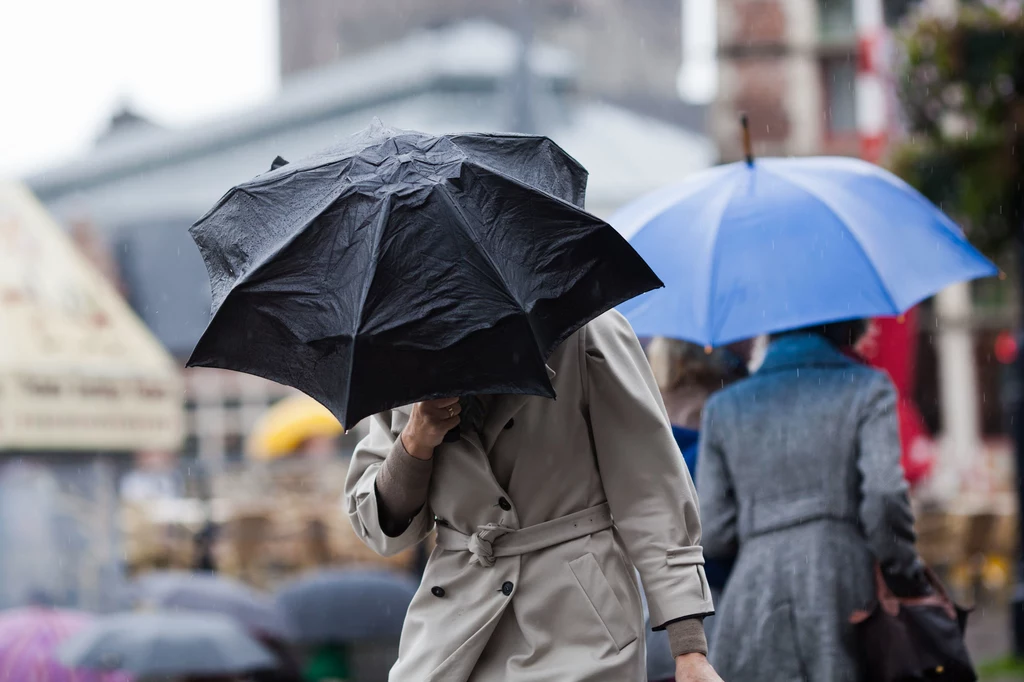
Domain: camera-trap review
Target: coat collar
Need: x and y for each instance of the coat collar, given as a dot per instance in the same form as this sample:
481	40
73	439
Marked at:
502	410
802	350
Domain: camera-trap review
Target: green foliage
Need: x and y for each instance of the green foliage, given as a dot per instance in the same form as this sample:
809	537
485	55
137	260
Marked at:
1008	668
961	85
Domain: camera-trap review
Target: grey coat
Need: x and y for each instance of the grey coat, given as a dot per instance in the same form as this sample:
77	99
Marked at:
800	474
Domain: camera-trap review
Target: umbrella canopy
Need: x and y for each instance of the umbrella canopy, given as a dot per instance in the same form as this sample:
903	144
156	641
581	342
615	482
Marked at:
347	605
400	266
28	642
157	643
181	590
283	428
748	249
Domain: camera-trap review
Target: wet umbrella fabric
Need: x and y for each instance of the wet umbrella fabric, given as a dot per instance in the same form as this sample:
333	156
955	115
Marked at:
786	243
180	590
28	646
347	605
400	266
150	644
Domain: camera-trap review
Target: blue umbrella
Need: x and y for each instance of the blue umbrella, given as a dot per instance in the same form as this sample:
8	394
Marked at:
757	247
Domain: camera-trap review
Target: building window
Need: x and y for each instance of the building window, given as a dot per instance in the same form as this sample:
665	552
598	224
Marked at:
835	21
840	95
896	10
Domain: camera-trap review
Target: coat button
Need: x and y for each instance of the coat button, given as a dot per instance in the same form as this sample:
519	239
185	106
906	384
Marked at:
506	588
504	504
510	424
437	591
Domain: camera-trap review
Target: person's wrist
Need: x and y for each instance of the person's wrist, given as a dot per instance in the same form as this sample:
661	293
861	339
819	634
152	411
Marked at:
691	661
414	447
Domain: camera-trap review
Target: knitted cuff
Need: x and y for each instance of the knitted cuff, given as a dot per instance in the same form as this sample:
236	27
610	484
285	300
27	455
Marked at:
402	485
687	637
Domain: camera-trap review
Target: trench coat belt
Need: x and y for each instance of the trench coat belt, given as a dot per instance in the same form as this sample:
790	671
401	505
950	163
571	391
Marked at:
492	540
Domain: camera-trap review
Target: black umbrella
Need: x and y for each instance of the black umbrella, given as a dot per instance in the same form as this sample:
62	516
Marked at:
347	605
158	644
180	590
400	266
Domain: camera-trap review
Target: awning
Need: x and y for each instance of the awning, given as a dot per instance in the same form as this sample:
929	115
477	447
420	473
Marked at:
78	369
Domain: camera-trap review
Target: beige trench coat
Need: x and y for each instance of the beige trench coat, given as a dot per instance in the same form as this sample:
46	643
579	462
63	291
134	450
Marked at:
568	611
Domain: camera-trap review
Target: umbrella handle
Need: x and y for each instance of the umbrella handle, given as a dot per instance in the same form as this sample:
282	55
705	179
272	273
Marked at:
453	435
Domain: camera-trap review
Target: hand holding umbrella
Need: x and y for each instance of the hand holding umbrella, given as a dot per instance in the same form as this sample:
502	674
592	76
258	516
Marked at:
429	424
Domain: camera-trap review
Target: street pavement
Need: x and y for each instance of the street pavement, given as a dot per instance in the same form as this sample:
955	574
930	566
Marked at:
988	636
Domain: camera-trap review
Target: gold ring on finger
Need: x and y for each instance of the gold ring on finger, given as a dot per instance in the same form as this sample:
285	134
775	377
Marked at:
451	412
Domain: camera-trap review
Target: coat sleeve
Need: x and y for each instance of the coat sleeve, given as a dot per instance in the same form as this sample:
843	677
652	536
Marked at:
718	509
885	512
651	495
361	499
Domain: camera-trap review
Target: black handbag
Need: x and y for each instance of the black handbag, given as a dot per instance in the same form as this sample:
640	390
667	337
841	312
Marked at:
907	639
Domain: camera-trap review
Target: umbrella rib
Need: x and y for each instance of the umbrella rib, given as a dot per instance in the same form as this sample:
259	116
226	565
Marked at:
463	223
300	228
856	240
717	228
367	282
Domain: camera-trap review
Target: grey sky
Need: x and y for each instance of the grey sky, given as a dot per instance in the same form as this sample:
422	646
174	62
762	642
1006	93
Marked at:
66	65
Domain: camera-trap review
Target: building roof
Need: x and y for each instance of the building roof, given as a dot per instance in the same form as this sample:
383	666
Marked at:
447	80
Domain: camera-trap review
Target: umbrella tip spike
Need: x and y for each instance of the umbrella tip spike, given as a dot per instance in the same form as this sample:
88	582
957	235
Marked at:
748	149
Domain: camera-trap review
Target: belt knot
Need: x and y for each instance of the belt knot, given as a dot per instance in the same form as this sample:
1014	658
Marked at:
480	543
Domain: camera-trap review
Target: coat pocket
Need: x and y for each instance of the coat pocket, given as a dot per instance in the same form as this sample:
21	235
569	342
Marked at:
601	596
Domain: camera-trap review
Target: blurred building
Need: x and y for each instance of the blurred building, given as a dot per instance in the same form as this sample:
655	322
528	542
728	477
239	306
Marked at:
82	384
142	185
792	66
629	52
797	68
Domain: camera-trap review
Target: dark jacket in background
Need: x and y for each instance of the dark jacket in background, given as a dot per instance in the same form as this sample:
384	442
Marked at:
799	477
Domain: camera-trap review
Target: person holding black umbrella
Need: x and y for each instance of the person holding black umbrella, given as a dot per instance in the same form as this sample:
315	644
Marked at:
454	287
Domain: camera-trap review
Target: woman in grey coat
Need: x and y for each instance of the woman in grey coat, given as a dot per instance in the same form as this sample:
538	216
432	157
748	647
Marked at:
800	478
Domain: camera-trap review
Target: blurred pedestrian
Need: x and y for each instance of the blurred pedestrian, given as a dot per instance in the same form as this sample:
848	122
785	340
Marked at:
799	476
154	476
543	508
687	374
288	669
205	549
328	663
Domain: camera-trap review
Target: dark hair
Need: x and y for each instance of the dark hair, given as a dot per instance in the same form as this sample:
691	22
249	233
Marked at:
843	334
677	363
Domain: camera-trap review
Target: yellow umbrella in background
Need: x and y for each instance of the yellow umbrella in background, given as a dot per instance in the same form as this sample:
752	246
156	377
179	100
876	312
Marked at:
284	427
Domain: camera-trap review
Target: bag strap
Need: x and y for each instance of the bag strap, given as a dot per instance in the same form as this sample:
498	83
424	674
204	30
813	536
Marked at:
890	603
887	600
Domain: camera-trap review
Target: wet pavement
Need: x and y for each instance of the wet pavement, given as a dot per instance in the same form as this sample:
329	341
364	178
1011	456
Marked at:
988	637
